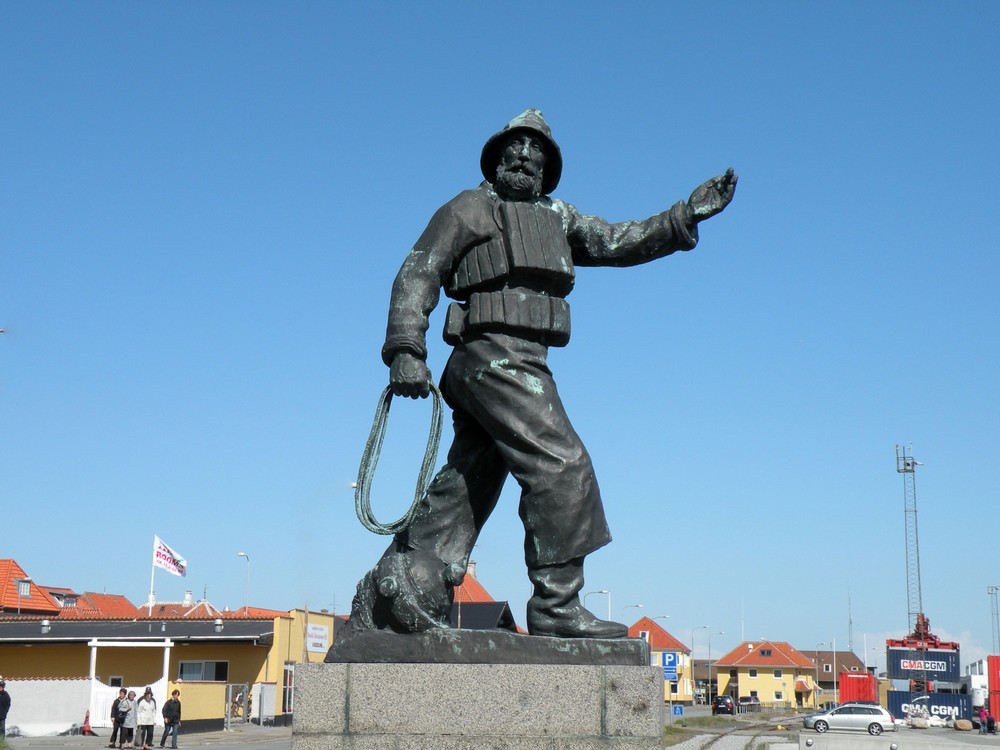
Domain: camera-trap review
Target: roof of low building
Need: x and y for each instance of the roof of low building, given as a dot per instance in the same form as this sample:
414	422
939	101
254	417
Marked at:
482	616
25	630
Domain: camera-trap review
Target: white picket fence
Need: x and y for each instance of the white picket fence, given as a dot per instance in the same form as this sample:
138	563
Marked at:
51	707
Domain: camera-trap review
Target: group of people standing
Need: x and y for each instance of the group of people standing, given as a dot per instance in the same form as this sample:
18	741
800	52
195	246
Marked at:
129	715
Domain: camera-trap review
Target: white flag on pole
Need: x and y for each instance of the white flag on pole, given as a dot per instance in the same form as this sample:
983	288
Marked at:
168	559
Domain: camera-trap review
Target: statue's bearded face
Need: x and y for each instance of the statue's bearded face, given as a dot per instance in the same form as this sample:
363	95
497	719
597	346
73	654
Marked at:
519	173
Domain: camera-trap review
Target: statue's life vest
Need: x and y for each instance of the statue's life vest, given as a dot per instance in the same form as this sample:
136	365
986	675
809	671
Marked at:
532	248
517	281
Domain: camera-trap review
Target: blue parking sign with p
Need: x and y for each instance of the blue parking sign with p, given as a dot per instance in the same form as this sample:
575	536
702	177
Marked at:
668	659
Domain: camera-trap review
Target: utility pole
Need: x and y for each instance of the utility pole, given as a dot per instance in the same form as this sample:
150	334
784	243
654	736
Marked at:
992	592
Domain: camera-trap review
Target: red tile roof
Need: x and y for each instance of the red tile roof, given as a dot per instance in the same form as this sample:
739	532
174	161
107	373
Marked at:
94	606
765	654
472	590
254	613
38	600
659	639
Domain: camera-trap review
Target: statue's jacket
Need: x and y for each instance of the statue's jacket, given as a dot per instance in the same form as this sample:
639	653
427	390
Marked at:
510	265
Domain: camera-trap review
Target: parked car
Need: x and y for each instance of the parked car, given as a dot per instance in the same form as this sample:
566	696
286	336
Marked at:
859	716
748	703
723	704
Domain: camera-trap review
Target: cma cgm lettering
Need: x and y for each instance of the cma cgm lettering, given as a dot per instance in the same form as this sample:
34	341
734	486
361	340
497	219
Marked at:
946	711
936	664
920	665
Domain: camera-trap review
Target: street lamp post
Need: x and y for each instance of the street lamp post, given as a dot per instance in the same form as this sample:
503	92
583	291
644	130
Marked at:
817	688
703	627
630	606
836	682
599	591
246	593
721	632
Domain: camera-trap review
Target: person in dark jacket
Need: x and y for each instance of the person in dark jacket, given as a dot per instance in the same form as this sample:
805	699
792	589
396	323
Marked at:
4	708
171	719
116	718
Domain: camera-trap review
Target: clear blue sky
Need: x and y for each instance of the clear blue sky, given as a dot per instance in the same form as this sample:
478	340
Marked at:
204	205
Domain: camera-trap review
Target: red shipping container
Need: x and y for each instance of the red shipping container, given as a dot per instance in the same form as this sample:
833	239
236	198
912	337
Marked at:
993	668
855	687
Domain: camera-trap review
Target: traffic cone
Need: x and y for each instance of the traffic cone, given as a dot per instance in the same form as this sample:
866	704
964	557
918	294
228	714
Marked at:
86	725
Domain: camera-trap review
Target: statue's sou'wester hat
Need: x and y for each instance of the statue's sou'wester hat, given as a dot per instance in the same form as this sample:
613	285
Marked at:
532	121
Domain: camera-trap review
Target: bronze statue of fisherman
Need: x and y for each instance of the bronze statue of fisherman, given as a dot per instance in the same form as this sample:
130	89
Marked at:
505	252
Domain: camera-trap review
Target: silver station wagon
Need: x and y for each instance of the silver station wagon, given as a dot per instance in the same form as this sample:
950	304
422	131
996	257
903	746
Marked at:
866	717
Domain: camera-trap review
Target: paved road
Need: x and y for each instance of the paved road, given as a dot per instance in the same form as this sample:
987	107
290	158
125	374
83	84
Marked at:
263	738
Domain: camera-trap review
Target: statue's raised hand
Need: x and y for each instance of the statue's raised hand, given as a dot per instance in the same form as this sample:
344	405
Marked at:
409	376
711	197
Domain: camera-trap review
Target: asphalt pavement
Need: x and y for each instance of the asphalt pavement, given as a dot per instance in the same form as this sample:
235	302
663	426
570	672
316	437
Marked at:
266	738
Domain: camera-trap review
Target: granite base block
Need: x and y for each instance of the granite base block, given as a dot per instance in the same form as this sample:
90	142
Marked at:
453	646
482	706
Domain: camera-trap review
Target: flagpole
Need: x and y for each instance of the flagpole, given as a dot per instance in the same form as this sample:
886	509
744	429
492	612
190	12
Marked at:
152	573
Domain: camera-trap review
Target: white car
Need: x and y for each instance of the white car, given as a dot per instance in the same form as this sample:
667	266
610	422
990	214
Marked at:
859	716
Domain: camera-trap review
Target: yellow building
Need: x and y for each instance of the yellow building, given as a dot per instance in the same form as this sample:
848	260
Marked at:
235	666
769	674
666	650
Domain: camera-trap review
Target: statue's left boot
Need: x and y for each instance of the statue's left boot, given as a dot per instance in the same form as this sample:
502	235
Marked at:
555	608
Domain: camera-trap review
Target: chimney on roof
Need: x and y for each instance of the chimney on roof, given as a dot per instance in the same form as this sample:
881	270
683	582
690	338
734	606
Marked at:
471	570
750	646
188	599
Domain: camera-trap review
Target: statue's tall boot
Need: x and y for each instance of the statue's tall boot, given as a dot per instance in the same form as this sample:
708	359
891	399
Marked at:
555	608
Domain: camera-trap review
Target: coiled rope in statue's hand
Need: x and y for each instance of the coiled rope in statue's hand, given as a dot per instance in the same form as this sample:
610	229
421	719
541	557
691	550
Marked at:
369	460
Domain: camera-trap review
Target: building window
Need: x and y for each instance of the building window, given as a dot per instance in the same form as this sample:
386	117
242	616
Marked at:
116	681
24	589
644	634
854	669
732	673
778	695
777	673
203	671
673	688
288	689
765	652
753	693
752	673
827	667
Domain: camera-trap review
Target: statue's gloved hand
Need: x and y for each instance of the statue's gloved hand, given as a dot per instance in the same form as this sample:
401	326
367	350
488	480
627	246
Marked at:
711	197
409	376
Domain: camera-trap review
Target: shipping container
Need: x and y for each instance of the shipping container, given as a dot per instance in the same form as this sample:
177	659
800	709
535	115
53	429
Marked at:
855	687
993	671
945	705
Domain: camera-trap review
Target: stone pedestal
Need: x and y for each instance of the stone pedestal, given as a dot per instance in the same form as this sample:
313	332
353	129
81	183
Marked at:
476	707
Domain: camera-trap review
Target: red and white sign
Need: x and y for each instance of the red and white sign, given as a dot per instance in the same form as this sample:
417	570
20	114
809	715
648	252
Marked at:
168	559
